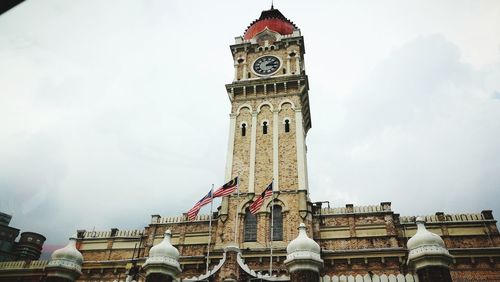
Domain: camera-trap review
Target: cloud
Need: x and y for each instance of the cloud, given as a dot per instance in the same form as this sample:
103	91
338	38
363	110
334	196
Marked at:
420	132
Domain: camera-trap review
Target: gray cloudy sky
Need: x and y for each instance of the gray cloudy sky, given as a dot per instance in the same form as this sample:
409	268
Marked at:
111	111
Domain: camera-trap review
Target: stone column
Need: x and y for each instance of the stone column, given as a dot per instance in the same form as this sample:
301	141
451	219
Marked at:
434	274
276	129
230	270
230	147
301	150
157	277
253	142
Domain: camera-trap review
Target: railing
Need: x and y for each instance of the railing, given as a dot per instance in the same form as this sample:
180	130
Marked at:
107	234
464	217
384	207
178	219
22	264
370	278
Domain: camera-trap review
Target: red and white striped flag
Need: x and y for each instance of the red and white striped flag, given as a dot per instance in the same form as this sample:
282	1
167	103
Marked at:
227	189
257	204
193	212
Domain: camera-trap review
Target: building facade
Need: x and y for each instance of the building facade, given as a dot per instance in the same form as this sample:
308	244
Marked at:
269	121
28	247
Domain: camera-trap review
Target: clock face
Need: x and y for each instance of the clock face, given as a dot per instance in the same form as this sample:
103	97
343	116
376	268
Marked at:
266	65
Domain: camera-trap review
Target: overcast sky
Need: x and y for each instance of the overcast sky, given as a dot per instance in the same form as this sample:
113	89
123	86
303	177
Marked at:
111	111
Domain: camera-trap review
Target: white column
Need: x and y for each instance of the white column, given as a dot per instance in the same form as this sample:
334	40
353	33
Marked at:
235	71
276	127
288	65
297	65
301	150
230	147
253	142
245	71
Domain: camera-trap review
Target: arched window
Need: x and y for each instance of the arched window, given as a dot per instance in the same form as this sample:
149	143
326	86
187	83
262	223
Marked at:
243	129
277	223
250	227
287	125
264	127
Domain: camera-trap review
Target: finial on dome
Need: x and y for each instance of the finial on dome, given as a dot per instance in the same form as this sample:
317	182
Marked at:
272	4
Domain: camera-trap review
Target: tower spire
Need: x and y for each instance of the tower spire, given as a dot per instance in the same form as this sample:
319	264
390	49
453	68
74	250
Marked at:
272	4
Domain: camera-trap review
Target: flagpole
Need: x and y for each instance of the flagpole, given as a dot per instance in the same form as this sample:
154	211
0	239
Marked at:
210	225
272	231
236	210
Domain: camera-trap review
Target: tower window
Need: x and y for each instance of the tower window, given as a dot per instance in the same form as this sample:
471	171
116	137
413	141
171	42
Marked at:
264	127
250	227
249	75
244	129
287	125
284	71
277	223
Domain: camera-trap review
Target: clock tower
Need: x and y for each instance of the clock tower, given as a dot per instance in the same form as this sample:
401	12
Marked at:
269	121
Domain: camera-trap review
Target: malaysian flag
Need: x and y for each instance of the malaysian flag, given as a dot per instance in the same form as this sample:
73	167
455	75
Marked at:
193	212
227	189
257	204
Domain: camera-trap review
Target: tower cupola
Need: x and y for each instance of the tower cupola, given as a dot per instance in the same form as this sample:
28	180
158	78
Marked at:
272	19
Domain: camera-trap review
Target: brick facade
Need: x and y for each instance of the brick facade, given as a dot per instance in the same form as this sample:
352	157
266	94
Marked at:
357	241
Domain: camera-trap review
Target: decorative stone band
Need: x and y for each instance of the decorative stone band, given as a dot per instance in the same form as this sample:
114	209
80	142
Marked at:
164	265
66	264
63	269
303	260
429	255
428	250
163	260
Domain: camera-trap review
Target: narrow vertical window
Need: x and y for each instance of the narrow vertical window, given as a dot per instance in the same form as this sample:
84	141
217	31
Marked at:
277	223
287	125
264	127
250	227
243	129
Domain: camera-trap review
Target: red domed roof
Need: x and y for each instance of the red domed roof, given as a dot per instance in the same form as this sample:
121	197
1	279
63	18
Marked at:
272	19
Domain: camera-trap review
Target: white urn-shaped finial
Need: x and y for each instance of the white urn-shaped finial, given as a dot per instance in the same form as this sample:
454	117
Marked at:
66	262
426	248
303	253
163	258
